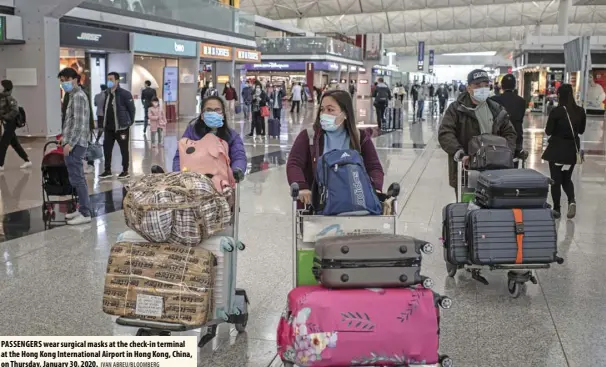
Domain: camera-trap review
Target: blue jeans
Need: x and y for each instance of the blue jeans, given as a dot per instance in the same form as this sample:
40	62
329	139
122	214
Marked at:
420	108
76	177
246	110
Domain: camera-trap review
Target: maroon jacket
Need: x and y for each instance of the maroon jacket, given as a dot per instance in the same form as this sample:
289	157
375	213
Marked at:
300	168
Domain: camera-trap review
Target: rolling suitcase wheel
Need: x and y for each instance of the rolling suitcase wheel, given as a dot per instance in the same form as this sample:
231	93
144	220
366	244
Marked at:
427	249
445	303
428	283
445	361
515	288
451	269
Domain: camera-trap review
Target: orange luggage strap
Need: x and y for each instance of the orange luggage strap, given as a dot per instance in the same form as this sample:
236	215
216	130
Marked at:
519	226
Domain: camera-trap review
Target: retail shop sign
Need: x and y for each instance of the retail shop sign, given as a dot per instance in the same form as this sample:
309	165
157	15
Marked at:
72	35
276	66
244	55
431	61
2	28
421	56
163	46
210	51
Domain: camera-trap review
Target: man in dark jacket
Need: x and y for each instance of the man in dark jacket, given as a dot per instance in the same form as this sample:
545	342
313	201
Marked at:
382	96
9	113
119	116
470	115
516	108
442	97
147	94
247	99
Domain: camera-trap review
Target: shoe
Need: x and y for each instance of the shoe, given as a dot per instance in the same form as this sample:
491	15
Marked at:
80	219
105	174
572	210
89	169
70	216
123	175
556	214
250	135
26	165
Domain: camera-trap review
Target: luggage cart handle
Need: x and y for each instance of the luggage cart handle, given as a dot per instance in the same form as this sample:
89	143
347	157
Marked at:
294	191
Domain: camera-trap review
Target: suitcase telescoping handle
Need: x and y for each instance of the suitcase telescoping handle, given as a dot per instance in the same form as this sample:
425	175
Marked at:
294	194
459	179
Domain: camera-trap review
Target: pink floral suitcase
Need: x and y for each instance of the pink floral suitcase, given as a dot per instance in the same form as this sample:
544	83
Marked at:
361	327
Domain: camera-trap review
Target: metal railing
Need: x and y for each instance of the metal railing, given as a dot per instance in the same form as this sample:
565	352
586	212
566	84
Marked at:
309	46
206	13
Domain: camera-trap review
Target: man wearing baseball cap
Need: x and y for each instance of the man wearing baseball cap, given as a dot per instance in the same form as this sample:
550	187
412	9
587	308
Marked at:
470	115
515	106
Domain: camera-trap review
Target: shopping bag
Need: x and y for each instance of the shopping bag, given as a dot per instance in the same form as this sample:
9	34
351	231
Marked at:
264	111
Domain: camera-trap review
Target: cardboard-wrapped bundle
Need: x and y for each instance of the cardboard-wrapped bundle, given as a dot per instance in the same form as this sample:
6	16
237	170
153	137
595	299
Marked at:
160	282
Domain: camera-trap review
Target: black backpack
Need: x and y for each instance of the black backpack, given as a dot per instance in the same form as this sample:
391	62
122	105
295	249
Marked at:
20	120
382	94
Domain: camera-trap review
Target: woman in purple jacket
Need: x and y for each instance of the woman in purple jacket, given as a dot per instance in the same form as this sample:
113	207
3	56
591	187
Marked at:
212	120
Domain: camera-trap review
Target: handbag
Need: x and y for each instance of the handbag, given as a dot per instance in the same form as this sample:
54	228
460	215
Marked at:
94	150
264	111
574	138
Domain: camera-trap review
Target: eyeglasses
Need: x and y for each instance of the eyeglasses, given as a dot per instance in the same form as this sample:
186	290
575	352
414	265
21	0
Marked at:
217	110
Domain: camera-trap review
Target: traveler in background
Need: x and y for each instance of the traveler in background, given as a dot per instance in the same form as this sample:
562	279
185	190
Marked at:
147	94
119	116
212	120
497	88
247	99
100	110
516	108
423	93
318	94
203	91
334	128
157	121
90	165
295	97
442	97
414	92
275	101
352	89
75	137
231	96
381	96
208	90
565	123
492	91
470	115
259	99
432	91
9	112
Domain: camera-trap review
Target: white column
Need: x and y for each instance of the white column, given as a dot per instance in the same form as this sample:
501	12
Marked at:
563	12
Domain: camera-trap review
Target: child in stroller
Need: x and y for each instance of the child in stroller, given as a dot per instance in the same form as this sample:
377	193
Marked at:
55	182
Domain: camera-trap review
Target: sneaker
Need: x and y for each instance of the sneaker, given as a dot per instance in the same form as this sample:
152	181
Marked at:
80	219
572	210
123	175
106	174
72	215
89	169
26	165
556	214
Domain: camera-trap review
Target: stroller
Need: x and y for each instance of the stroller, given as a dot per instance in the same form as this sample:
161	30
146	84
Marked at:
55	182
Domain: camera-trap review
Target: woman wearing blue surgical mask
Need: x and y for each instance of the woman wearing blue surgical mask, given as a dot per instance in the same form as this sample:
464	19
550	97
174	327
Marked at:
334	129
212	121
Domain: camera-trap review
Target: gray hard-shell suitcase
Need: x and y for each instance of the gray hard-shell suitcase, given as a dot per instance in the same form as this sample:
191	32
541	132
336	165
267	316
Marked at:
512	188
495	237
453	233
370	261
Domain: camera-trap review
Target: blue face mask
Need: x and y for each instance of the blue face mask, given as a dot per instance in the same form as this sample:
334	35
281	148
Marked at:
328	122
67	86
213	119
110	84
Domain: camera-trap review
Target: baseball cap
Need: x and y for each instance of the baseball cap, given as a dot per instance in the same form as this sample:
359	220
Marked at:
477	76
508	82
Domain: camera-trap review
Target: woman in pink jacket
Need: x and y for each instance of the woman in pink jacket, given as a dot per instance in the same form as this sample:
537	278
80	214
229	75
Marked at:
157	120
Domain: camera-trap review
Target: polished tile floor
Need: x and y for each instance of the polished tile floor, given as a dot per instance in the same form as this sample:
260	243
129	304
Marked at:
52	279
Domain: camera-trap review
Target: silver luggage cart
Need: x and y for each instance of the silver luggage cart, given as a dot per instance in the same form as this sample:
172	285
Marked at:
240	315
518	275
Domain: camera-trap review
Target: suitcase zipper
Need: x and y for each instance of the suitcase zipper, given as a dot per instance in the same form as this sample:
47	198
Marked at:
351	264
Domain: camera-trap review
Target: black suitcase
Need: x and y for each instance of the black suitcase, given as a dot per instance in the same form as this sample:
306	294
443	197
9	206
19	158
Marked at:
453	233
496	237
393	119
512	188
370	261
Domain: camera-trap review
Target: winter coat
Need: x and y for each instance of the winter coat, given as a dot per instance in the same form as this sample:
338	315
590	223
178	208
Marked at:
237	153
272	96
300	167
157	118
561	146
460	124
516	108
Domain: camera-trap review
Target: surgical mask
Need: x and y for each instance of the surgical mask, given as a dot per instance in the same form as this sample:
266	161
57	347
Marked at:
328	122
481	94
213	119
258	89
155	104
210	85
110	84
67	86
227	85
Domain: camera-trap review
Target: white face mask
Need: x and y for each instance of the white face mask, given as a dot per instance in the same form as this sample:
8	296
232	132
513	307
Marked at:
481	94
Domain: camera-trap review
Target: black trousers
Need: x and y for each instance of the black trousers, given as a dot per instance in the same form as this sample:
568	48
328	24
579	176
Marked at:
561	180
10	138
380	108
122	137
277	113
442	105
295	103
258	123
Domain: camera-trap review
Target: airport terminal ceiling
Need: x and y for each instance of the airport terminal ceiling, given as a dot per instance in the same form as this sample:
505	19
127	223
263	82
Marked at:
447	26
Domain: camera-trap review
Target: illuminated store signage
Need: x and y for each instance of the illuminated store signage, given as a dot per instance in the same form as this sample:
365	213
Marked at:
78	36
144	43
244	55
210	51
292	66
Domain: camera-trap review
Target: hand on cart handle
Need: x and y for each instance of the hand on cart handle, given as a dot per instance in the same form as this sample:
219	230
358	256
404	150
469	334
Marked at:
460	157
238	175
